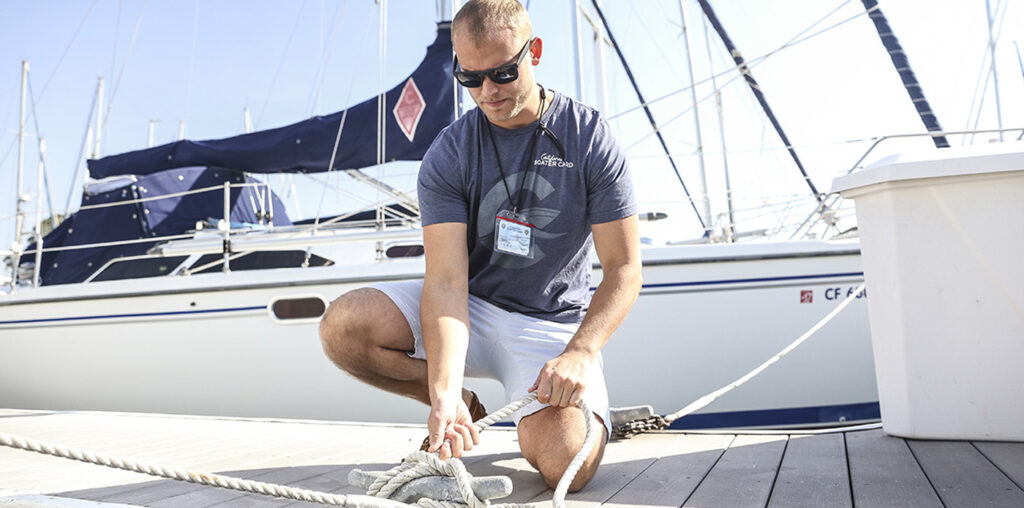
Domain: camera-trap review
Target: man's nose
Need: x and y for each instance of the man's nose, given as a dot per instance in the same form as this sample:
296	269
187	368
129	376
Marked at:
489	88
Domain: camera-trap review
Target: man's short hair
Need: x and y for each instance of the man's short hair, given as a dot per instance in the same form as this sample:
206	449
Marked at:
484	17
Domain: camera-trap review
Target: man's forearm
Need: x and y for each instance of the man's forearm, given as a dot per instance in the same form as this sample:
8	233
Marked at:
610	304
445	319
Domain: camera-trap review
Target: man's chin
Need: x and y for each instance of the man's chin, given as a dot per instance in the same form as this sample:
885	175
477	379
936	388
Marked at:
496	116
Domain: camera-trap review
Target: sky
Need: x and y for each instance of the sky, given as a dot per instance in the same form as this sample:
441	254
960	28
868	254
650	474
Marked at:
204	62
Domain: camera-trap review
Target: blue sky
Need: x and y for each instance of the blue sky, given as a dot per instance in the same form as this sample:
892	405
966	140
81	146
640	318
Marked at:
205	61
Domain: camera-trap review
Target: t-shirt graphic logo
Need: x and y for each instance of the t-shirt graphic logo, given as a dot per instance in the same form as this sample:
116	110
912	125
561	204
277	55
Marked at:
496	198
547	159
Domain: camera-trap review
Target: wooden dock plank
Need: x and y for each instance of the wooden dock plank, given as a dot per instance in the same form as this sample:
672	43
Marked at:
659	469
963	477
884	473
744	475
1008	457
369	450
813	473
679	469
197	459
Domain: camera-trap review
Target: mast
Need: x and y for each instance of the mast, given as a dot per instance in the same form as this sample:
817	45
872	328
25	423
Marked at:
36	282
705	198
452	8
650	117
601	84
247	120
99	118
19	219
992	67
741	64
731	230
902	64
577	48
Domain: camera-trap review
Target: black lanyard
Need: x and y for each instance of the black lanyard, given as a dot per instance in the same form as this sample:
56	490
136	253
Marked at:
528	163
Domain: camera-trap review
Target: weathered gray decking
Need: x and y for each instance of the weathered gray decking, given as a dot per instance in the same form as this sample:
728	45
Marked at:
862	468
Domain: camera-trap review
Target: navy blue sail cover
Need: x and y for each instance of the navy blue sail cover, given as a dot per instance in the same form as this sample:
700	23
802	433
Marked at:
147	219
416	110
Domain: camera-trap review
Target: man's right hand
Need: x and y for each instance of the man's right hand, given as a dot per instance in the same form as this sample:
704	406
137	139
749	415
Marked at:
451	428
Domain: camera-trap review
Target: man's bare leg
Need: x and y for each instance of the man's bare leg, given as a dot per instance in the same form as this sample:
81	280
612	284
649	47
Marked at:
551	437
365	334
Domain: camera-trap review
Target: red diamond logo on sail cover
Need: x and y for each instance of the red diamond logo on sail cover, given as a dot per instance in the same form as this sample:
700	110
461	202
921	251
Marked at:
409	108
806	296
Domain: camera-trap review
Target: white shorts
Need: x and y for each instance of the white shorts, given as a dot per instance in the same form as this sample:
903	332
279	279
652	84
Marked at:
508	347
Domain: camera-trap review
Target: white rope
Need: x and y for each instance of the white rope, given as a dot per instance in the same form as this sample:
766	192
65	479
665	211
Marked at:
171	473
577	462
419	464
709	398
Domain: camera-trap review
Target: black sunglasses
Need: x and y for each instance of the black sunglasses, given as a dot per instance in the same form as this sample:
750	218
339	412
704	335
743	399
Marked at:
500	75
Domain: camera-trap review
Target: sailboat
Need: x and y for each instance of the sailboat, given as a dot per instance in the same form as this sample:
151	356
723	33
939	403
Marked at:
181	286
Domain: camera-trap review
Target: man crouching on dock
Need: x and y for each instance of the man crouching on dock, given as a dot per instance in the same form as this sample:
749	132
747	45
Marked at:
512	196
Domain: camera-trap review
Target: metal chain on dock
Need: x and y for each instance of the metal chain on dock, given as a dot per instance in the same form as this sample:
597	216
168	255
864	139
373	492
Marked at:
389	482
641	425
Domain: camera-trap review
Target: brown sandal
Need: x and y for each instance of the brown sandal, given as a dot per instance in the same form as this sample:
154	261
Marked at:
476	412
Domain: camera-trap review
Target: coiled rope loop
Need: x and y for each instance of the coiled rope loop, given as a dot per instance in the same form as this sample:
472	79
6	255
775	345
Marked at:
419	464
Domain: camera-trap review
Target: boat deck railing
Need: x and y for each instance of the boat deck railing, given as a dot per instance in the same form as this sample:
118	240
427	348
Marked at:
232	240
827	208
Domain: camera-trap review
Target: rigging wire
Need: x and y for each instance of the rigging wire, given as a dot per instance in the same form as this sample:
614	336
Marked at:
124	66
192	58
988	75
321	70
117	36
382	103
42	152
650	36
81	153
753	62
750	64
60	60
647	111
331	170
280	64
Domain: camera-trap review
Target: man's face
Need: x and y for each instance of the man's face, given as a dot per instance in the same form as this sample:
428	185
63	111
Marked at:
505	105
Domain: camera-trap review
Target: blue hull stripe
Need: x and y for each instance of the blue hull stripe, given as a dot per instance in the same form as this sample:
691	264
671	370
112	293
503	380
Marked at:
787	416
819	415
742	281
138	315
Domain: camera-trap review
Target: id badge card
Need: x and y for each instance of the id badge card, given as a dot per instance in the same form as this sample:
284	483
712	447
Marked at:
513	234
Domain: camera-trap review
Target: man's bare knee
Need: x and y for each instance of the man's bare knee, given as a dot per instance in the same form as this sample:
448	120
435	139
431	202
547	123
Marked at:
356	323
551	438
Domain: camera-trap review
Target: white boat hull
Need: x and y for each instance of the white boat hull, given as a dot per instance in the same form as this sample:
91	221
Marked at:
207	344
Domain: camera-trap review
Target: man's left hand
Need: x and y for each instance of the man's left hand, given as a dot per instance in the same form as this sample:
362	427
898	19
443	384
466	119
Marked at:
563	380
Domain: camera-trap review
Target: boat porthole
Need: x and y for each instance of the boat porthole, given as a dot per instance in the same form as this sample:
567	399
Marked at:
404	250
297	309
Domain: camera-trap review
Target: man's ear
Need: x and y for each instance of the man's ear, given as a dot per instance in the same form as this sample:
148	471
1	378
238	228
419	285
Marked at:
536	48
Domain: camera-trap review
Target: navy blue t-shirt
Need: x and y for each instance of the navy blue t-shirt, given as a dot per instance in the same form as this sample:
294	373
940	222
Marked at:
460	181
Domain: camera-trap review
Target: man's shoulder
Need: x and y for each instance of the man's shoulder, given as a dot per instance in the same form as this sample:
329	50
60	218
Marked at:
578	112
452	137
463	125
